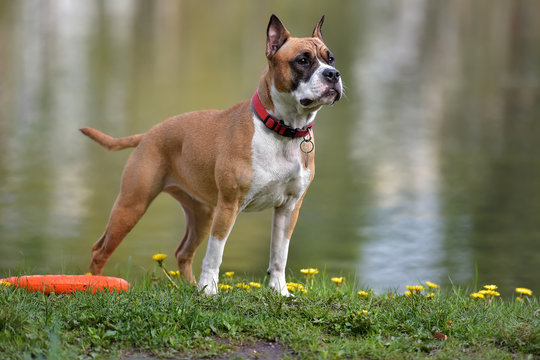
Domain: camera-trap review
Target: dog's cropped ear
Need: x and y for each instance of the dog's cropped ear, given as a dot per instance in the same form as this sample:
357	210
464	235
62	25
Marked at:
318	32
276	35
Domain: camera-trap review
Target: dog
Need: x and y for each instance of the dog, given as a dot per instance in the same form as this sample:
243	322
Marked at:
252	156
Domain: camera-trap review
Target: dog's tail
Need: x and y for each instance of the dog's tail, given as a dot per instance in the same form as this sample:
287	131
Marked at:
110	142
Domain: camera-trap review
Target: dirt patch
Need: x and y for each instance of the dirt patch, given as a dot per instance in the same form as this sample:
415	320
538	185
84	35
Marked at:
265	350
259	349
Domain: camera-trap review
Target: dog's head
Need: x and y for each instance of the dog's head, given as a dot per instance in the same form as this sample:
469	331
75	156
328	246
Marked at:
302	67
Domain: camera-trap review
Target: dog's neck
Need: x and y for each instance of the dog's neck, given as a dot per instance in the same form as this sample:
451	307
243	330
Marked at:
284	106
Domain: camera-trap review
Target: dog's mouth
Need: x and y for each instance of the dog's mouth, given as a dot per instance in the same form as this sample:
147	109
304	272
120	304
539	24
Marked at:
306	102
332	93
330	96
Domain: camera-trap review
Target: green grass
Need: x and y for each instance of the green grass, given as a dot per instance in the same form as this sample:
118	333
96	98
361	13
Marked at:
326	322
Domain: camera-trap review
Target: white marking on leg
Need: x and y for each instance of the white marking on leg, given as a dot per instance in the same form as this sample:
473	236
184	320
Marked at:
278	261
210	267
279	249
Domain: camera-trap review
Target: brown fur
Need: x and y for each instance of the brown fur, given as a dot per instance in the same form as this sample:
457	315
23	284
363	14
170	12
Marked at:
169	158
112	143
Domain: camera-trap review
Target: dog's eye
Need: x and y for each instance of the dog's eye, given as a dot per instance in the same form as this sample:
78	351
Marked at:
331	59
302	61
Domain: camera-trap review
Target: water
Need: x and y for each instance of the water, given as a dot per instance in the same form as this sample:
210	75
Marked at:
428	169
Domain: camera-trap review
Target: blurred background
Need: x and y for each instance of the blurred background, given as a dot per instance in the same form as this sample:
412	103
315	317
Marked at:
428	169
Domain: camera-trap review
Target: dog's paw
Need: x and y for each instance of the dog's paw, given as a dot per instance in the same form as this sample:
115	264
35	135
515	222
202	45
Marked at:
208	285
208	290
280	288
286	293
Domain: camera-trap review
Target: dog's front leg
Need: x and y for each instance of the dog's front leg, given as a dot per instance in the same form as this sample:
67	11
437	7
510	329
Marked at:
221	227
283	223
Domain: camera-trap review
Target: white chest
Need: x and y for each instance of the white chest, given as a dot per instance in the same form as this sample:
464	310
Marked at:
279	177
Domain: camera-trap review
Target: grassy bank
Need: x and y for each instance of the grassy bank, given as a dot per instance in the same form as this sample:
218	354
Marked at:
328	320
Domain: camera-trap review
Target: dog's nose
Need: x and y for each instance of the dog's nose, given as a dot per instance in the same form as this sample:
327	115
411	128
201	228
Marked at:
332	75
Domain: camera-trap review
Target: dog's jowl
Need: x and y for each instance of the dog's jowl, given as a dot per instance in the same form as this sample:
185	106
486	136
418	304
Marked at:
254	155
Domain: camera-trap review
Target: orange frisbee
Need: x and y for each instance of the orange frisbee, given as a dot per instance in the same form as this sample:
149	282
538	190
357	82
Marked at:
66	284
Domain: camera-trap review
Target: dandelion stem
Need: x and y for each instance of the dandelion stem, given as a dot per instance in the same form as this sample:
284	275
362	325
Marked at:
167	275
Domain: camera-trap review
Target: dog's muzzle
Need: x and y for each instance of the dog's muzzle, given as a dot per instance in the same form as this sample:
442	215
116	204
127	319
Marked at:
333	76
331	89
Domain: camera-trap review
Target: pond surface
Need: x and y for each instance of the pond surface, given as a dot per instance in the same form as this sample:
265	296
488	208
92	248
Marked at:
428	169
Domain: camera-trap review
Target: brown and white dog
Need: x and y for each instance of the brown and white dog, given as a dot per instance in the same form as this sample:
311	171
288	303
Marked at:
252	156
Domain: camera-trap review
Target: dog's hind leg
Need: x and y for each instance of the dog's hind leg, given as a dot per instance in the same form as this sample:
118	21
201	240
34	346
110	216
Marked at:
198	222
142	181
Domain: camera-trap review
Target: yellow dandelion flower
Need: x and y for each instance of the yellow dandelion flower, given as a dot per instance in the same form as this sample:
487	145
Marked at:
309	271
477	295
225	287
491	287
88	273
159	258
255	285
174	273
407	293
229	274
5	284
416	288
524	291
338	280
432	285
430	296
489	293
294	287
363	293
243	286
519	299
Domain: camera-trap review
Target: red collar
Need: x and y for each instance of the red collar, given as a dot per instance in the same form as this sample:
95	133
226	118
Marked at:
274	124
